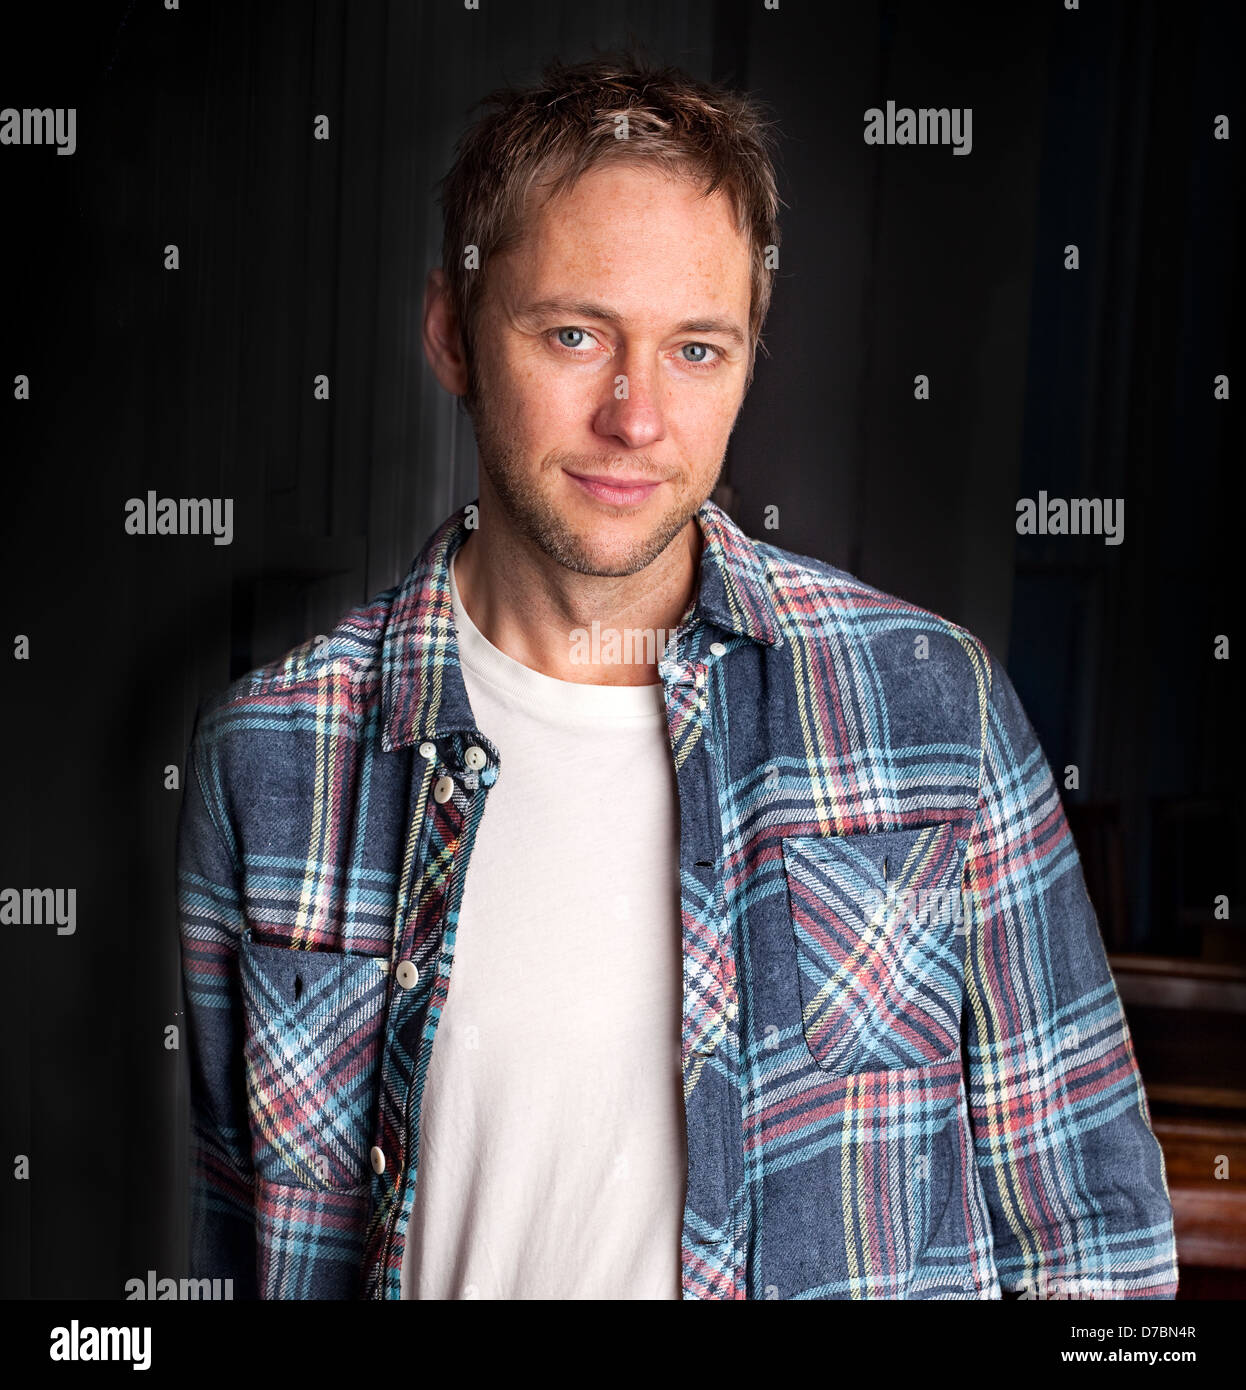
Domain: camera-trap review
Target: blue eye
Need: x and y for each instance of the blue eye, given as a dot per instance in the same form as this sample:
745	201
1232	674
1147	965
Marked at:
702	348
563	331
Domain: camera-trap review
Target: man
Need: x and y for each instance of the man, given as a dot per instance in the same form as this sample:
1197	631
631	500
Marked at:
618	906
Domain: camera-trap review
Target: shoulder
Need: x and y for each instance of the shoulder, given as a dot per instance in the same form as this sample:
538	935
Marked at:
331	679
902	669
817	603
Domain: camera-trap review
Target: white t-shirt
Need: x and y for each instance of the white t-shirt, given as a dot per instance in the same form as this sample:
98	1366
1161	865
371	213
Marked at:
552	1150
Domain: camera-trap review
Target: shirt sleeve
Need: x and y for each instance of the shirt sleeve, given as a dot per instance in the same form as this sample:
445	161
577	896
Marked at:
222	1186
1072	1173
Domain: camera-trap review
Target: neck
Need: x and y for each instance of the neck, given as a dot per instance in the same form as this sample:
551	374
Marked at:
542	614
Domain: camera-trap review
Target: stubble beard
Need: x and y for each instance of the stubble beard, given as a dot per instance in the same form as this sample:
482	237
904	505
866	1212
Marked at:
529	510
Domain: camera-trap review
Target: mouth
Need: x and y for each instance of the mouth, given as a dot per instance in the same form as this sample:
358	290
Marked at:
619	492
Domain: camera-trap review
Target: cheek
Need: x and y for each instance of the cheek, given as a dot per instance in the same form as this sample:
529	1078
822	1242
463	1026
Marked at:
510	398
555	407
703	425
533	393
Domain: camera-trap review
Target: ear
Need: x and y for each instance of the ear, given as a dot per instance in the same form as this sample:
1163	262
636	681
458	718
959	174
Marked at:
443	343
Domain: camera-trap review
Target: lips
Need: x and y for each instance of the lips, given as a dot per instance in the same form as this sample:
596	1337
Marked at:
619	492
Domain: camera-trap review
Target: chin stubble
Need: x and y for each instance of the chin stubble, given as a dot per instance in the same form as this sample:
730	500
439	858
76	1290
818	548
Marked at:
529	511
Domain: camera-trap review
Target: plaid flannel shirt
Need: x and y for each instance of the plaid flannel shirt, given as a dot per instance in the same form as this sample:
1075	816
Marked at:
907	1073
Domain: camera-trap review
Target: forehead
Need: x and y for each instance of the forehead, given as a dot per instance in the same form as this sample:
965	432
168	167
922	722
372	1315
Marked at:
633	233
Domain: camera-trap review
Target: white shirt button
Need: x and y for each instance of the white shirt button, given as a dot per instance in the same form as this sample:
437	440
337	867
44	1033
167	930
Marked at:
428	750
407	975
444	789
475	758
378	1160
700	677
717	649
731	1010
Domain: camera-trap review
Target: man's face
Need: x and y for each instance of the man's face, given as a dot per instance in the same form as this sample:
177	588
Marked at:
612	356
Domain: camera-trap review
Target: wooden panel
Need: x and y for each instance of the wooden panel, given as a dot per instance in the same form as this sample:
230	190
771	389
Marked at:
1210	1225
1196	1151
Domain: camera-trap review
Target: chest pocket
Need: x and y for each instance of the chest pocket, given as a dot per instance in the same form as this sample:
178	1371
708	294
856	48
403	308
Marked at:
879	946
313	1022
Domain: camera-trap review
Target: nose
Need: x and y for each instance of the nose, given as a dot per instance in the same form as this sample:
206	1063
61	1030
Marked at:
631	413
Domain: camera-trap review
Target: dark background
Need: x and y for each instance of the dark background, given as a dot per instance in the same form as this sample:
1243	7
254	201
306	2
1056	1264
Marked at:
299	257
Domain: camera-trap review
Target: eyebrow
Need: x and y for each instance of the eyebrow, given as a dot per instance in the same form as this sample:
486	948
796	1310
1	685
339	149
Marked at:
584	309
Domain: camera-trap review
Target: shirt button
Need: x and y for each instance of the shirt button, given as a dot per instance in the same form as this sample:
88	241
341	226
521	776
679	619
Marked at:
717	649
731	1010
406	974
444	789
428	750
475	758
378	1160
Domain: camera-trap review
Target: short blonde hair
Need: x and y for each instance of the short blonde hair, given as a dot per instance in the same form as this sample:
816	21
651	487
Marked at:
550	134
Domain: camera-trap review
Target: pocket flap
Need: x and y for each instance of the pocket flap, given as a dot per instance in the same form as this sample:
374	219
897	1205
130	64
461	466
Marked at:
878	952
313	1021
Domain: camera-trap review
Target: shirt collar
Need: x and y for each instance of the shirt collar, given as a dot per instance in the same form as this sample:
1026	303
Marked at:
422	690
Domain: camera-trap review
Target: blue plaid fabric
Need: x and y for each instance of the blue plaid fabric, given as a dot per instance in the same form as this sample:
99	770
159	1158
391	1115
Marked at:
907	1073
